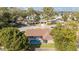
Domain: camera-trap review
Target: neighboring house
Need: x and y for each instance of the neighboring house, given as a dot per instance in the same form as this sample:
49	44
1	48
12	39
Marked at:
43	21
37	36
54	21
60	21
31	17
58	16
19	20
25	22
31	20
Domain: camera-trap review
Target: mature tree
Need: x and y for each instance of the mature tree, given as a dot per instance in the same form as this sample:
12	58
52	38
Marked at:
64	38
12	39
5	17
2	10
24	13
72	24
65	16
30	11
48	12
15	11
37	18
8	14
76	15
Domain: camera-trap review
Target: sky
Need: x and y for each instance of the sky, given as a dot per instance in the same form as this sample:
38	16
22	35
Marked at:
61	8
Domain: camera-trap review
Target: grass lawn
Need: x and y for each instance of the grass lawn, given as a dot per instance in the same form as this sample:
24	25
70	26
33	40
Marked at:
50	45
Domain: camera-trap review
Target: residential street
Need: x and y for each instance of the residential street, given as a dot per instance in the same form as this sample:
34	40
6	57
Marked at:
37	26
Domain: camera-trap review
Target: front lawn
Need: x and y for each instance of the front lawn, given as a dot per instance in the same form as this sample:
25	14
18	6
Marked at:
33	46
50	45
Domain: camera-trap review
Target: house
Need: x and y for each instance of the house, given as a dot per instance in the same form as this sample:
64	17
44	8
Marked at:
25	22
37	36
31	20
52	21
43	21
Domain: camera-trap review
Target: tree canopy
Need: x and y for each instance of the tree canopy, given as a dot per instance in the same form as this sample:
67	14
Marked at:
12	39
65	16
8	14
64	38
48	12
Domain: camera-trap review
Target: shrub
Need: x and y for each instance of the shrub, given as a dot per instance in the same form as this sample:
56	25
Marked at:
12	39
64	38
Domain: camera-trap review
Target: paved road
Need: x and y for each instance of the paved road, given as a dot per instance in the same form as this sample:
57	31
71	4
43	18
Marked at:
33	27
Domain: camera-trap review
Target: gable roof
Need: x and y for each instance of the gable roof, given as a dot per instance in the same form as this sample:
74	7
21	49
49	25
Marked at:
36	32
45	33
